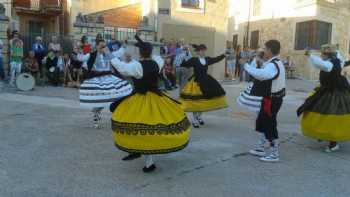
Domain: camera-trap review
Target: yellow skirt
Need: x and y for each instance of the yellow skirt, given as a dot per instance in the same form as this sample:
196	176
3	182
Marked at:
326	127
193	100
150	124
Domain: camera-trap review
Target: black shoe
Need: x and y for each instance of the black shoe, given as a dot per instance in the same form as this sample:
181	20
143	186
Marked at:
201	122
195	125
132	156
149	169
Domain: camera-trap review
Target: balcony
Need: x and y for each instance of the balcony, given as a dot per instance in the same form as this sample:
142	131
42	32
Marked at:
48	7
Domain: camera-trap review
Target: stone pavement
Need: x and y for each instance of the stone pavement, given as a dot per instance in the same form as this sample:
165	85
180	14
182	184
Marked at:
48	149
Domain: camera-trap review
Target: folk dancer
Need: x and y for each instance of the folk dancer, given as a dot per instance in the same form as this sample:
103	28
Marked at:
270	85
326	113
202	93
147	122
100	87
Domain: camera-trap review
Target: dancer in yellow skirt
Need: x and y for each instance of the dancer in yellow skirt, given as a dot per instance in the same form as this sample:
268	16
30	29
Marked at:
149	121
326	113
202	93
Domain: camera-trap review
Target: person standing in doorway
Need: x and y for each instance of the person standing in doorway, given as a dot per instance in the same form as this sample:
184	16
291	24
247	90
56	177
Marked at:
231	62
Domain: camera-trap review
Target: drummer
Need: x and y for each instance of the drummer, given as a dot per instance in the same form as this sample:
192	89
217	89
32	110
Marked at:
31	64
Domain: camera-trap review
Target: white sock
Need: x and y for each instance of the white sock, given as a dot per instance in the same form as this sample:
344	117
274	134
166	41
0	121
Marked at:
194	118
149	160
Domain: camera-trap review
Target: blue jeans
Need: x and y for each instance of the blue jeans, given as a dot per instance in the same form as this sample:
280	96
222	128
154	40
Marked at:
2	71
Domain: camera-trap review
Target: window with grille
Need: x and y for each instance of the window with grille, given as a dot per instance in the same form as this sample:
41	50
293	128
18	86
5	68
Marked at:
312	34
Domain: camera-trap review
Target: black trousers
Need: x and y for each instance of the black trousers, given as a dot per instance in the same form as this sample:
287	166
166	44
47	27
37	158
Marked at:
266	122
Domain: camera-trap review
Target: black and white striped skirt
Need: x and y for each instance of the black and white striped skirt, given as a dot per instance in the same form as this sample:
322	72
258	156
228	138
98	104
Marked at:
248	101
101	91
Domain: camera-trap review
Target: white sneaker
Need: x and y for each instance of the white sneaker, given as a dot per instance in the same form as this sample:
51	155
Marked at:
273	156
333	149
270	158
258	152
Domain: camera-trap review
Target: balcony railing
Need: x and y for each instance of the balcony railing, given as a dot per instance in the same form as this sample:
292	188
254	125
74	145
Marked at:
35	4
38	5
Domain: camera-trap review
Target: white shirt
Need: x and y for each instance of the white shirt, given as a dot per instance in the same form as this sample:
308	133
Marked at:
321	64
269	71
159	61
128	69
202	61
84	58
134	68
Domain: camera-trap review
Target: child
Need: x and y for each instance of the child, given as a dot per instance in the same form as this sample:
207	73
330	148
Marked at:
76	66
31	64
52	67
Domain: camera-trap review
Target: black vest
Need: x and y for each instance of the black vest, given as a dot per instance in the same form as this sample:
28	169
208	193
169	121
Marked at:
263	88
333	79
149	81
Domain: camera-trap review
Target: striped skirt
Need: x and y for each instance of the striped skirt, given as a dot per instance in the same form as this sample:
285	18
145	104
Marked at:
249	102
100	92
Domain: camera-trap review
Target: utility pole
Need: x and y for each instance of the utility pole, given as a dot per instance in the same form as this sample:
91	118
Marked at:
246	41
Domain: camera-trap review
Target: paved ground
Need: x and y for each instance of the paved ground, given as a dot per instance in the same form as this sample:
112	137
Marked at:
48	149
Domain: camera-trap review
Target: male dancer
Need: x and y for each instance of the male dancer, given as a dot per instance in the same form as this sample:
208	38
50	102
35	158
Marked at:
270	84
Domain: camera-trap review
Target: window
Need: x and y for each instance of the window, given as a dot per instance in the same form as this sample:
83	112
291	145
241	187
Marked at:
256	7
190	4
312	34
254	40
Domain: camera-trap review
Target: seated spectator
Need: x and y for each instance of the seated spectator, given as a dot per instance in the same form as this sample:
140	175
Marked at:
31	64
67	76
53	72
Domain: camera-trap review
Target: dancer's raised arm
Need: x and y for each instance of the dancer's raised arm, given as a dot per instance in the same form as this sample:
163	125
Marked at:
321	64
128	69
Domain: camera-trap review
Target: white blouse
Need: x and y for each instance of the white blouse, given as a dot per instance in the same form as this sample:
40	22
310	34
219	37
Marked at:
128	69
134	68
203	61
321	64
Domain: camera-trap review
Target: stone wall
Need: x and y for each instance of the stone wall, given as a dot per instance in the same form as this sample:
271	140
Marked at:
4	24
208	26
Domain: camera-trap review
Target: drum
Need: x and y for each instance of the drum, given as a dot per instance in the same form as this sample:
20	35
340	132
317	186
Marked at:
25	82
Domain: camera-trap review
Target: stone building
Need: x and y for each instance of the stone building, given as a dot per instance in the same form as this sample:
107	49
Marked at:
298	24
